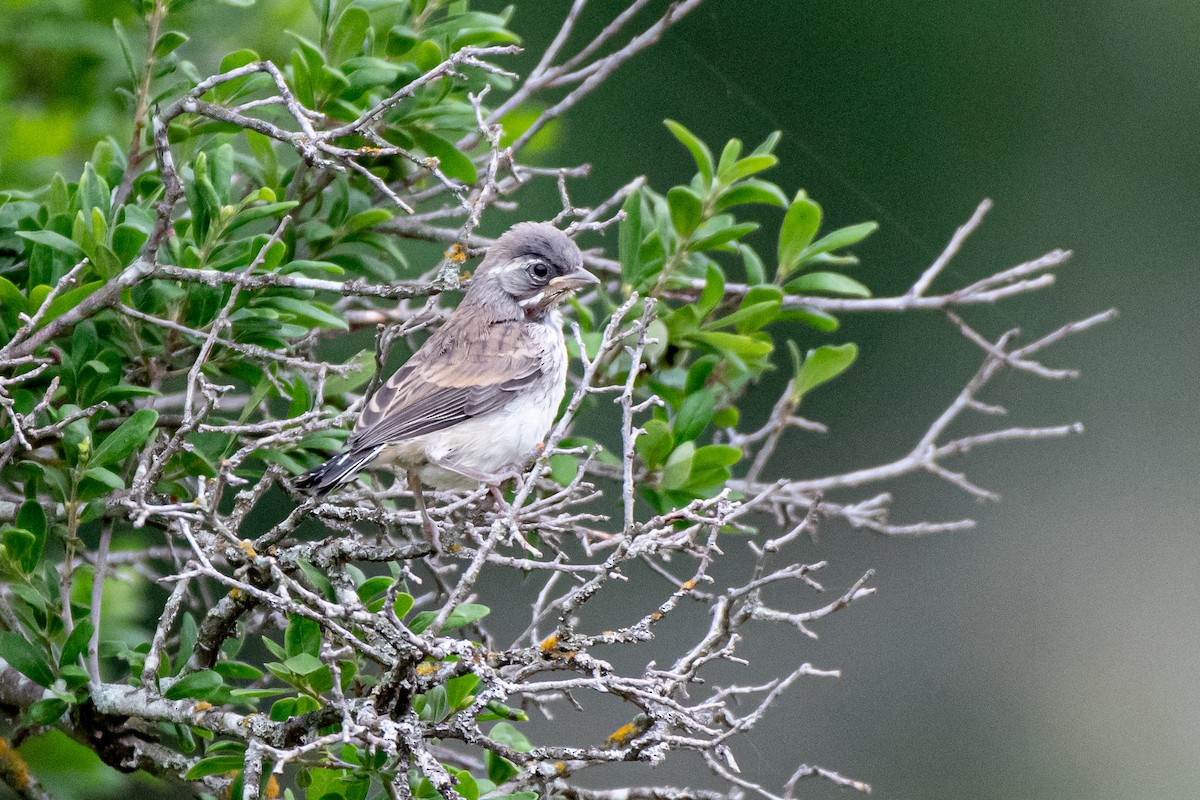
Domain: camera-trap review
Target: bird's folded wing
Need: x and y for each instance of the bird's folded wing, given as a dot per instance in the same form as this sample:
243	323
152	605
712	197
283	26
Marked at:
458	374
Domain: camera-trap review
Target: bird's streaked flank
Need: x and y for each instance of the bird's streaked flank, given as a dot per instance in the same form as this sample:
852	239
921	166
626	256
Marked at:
474	402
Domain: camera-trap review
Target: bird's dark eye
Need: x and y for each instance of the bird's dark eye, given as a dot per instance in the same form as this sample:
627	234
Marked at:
539	270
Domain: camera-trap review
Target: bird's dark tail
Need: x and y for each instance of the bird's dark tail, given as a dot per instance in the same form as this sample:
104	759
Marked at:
334	472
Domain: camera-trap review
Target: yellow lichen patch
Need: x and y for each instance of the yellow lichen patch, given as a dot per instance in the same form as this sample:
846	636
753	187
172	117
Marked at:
272	788
427	668
560	767
623	734
367	150
235	594
247	548
457	254
12	767
687	586
203	705
656	616
549	643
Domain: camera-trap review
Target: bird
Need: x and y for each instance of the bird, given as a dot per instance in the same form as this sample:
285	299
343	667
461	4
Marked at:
475	401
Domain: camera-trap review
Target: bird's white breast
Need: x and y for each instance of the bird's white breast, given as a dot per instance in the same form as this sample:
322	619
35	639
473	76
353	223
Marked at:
503	439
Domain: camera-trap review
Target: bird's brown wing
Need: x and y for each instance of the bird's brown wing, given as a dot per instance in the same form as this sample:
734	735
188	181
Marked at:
462	371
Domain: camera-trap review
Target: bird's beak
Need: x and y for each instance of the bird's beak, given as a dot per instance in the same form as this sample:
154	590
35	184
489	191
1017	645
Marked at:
578	278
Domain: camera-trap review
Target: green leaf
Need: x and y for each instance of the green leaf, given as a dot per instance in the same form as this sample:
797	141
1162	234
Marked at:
729	157
19	544
698	149
749	166
630	238
349	34
685	207
713	293
367	219
656	443
32	519
168	43
452	162
755	272
238	671
760	306
748	319
401	39
371	588
726	418
214	765
318	579
255	213
822	364
93	192
196	685
827	283
507	734
800	225
25	658
710	466
48	711
126	50
55	241
563	468
812	317
842	237
678	467
694	415
125	439
403	605
433	706
303	635
751	190
499	769
497	710
745	347
768	144
12	301
463	615
459	688
255	694
303	664
465	785
236	59
308	312
105	476
77	643
67	301
722	236
127	241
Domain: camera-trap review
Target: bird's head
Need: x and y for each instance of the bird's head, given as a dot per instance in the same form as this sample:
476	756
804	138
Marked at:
530	269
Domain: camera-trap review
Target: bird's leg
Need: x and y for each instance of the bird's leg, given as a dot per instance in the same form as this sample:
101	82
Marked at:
493	481
502	505
427	526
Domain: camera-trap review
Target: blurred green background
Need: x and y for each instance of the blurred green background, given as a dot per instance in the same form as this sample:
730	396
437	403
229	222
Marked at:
1053	652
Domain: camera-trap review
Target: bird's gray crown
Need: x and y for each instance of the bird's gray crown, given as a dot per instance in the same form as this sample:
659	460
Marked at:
539	240
527	272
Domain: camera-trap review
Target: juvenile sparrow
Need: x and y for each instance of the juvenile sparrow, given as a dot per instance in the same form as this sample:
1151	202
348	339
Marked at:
478	397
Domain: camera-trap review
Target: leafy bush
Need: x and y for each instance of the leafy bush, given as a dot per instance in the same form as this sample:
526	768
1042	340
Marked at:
185	326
